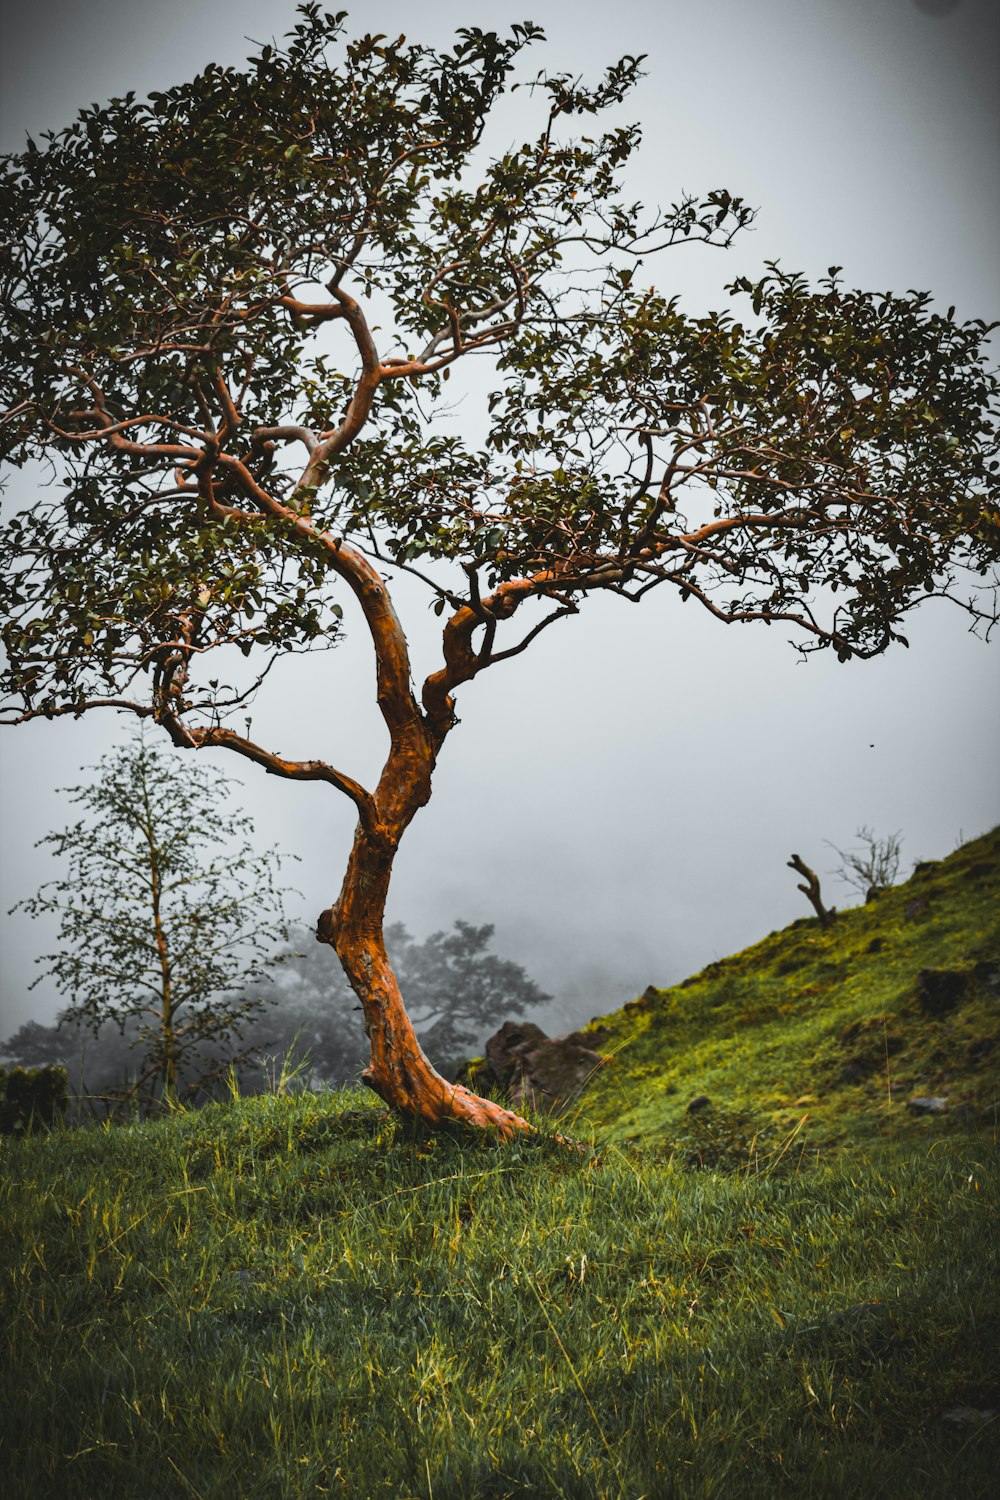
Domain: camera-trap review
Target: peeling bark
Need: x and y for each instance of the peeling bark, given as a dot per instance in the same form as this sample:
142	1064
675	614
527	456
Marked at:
398	1072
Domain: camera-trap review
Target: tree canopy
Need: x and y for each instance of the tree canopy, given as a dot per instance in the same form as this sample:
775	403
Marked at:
232	310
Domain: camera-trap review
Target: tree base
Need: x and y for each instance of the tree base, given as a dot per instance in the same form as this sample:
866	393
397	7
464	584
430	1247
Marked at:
434	1101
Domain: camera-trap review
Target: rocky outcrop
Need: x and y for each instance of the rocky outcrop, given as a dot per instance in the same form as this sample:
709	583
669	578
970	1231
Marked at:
530	1068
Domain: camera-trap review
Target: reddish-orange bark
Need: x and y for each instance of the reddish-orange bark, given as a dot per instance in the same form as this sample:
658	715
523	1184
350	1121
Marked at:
398	1071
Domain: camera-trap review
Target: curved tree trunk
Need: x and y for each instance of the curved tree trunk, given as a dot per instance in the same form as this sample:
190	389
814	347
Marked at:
398	1071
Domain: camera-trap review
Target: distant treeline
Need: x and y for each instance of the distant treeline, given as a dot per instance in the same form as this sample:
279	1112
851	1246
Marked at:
309	1032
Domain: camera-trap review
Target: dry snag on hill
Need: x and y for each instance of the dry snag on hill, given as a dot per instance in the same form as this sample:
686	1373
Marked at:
191	286
809	886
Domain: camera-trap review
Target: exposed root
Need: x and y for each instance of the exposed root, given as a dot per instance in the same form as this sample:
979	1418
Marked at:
437	1102
485	1114
453	1103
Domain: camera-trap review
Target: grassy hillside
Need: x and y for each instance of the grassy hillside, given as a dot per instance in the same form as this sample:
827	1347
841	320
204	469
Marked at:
294	1297
828	1033
297	1296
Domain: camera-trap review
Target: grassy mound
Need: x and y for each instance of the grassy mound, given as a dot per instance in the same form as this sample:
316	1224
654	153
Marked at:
828	1033
296	1297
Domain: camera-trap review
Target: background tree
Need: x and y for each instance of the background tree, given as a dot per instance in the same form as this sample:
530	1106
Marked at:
103	1065
301	1017
176	273
873	866
165	913
456	992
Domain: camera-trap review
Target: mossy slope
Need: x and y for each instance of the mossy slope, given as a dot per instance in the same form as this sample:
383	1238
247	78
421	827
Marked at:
832	1025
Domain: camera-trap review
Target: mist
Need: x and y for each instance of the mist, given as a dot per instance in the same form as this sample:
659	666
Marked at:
621	801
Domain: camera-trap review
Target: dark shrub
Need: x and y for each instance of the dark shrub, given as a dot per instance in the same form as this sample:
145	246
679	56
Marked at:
31	1098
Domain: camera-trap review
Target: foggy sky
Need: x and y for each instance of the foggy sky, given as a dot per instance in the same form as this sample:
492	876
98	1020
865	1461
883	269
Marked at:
621	800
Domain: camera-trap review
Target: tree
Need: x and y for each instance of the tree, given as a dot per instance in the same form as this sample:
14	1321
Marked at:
193	287
101	1064
873	866
163	919
455	991
455	988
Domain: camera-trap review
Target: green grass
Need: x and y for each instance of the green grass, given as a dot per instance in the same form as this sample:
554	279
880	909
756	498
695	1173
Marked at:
293	1296
822	1030
296	1296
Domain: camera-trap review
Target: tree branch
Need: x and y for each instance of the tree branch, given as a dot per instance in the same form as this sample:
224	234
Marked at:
56	711
557	614
293	770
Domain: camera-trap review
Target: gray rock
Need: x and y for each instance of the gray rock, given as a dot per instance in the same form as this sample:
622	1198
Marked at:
545	1072
987	973
968	1416
927	1104
857	1315
647	998
507	1047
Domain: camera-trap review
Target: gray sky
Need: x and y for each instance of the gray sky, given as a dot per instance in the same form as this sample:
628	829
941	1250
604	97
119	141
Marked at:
622	800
